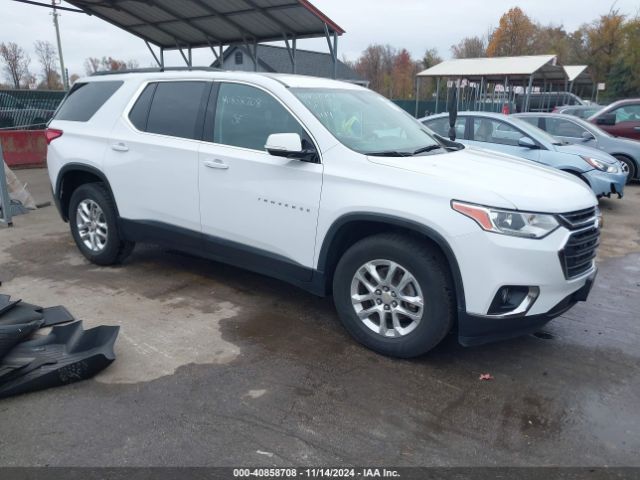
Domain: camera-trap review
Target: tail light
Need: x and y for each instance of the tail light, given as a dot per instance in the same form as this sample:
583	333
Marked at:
51	134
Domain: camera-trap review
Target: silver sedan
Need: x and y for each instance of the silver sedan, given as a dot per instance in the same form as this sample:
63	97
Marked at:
577	131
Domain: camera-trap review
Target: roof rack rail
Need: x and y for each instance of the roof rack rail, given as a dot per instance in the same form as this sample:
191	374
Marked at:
155	69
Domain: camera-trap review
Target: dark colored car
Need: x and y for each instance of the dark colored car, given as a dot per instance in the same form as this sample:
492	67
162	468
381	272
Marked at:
546	101
620	119
580	111
16	114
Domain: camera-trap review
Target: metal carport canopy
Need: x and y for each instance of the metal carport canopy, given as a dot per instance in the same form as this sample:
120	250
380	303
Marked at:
497	68
200	23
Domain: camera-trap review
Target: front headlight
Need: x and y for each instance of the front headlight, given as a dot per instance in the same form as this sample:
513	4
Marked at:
508	222
603	167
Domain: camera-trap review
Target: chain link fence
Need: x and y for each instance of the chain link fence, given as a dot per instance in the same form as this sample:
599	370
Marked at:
28	109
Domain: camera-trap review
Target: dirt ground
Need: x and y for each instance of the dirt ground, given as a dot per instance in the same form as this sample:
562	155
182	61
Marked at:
218	366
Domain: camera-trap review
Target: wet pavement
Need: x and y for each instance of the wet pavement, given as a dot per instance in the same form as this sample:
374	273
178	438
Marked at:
218	366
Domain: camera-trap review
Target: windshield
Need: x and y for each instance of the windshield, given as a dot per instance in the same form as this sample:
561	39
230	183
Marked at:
367	122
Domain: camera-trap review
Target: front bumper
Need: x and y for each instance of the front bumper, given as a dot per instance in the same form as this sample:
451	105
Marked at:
478	329
604	184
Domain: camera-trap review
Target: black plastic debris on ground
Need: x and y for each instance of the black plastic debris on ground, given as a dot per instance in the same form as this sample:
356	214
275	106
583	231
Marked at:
67	354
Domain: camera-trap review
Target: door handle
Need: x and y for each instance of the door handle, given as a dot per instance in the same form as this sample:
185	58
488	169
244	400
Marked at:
637	129
119	147
219	164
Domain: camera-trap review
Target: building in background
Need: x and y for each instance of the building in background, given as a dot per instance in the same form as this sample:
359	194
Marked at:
276	60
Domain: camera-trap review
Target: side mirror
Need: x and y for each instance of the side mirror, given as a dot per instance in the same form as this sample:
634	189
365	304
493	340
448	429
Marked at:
289	145
527	142
606	119
587	136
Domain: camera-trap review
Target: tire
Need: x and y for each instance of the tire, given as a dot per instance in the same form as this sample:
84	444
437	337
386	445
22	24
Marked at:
428	268
630	164
108	246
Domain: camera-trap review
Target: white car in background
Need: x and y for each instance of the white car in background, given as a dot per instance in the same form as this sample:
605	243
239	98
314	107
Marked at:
330	187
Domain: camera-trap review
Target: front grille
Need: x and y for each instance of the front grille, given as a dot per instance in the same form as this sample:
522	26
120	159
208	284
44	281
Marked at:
580	250
579	218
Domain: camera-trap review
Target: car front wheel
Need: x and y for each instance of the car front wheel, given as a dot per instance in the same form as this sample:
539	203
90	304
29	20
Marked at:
393	294
94	225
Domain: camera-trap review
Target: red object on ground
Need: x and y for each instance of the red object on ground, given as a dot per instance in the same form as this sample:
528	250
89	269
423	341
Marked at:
24	148
486	376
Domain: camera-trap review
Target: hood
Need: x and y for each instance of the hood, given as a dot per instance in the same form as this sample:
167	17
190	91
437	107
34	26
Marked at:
585	151
525	185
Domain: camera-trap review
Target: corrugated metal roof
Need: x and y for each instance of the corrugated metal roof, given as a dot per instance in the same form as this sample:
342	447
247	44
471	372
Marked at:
200	23
494	66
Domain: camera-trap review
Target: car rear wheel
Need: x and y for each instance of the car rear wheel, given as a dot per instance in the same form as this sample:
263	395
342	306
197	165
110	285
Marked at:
94	225
393	294
627	166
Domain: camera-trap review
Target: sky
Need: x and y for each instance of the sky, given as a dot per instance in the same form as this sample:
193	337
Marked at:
412	24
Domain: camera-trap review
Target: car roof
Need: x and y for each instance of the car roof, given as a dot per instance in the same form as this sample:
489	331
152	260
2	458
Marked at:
500	116
288	80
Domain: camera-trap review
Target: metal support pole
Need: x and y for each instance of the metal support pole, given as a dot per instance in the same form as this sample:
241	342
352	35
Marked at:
528	95
155	57
293	45
506	91
63	71
162	58
481	98
4	194
335	55
447	97
190	58
437	93
255	56
417	95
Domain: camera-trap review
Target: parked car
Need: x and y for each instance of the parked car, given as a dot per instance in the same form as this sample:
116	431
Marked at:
328	186
546	101
508	134
580	132
14	113
621	118
580	111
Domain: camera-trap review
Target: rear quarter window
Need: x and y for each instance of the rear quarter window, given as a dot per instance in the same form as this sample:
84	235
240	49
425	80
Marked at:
85	99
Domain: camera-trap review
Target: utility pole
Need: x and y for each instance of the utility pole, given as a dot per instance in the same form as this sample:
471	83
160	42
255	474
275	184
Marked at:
63	71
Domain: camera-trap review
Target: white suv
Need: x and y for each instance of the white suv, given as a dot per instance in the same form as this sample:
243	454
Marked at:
330	187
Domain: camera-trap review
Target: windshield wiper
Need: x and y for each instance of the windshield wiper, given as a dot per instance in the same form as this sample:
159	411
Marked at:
390	153
428	148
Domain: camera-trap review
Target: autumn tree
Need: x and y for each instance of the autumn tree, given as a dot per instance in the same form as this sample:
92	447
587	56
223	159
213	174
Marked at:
48	62
16	64
469	47
403	75
107	64
514	35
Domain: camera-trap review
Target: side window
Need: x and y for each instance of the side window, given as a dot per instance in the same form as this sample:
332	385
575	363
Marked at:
246	116
178	108
535	121
628	113
140	111
85	99
563	128
495	131
441	126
